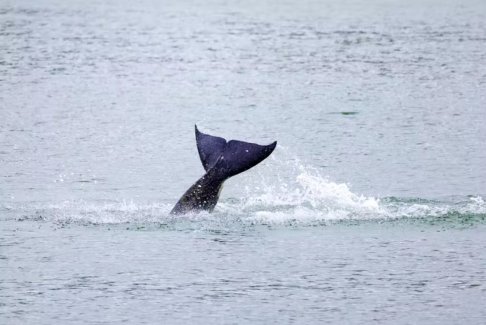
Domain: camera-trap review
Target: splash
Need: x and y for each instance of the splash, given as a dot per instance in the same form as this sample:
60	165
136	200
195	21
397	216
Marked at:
94	212
289	194
301	195
305	197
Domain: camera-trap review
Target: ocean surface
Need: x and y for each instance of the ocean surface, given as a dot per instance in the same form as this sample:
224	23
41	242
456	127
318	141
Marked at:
371	209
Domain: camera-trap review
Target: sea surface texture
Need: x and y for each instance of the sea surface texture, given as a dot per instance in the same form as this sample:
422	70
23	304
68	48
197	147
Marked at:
371	209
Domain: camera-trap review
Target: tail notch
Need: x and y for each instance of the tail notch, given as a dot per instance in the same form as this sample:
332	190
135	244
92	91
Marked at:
232	157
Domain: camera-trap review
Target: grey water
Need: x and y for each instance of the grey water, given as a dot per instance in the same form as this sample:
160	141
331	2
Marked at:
370	210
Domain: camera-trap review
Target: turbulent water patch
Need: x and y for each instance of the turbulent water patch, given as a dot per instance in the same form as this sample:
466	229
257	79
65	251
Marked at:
302	197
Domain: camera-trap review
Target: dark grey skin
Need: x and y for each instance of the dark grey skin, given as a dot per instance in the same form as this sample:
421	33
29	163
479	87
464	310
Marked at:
221	160
202	196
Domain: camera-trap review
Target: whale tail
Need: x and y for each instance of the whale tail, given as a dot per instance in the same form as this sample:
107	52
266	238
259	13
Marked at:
221	160
232	157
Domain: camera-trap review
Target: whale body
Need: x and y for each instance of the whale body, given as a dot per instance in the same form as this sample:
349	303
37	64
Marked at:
221	160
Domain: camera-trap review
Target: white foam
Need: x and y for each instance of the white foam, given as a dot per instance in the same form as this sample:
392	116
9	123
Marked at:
290	193
102	213
301	194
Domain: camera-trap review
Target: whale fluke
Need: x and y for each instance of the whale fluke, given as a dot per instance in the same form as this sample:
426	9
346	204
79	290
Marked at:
221	160
210	148
236	156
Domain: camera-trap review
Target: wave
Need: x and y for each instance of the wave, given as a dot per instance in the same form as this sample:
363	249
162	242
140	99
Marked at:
255	211
298	196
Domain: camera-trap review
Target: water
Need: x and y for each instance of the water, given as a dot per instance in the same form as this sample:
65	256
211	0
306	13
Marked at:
371	209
